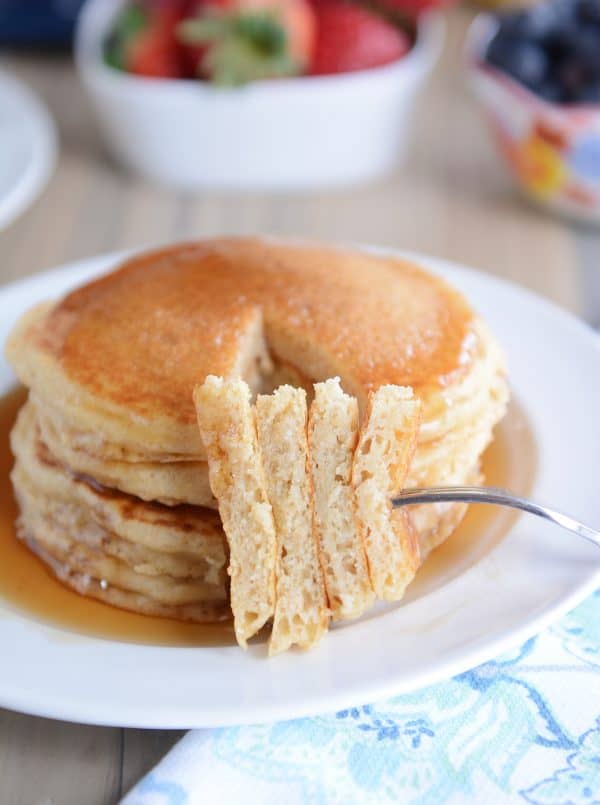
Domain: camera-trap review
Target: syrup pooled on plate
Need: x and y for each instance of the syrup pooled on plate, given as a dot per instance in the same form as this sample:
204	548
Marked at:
26	585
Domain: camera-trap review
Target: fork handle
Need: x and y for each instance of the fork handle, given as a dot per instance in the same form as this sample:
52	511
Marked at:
500	497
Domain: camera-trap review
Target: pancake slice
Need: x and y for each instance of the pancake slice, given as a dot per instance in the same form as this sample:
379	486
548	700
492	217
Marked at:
333	435
228	429
54	534
63	567
381	462
168	482
187	531
301	613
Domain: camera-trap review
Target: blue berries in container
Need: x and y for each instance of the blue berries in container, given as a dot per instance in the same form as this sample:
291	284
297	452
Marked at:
553	49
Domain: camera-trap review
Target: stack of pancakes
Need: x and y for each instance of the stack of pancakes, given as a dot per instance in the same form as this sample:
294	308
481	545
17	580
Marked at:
111	473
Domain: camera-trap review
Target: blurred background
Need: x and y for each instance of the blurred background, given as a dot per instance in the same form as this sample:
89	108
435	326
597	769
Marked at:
470	133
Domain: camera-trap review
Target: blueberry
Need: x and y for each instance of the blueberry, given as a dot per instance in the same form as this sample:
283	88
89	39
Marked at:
588	50
572	77
553	48
536	23
563	41
589	11
566	10
589	94
523	60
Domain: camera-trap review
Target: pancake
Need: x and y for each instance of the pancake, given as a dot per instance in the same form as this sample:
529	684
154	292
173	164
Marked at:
301	614
464	427
333	436
114	474
123	353
49	516
182	529
63	542
379	469
169	482
142	556
76	519
227	422
85	584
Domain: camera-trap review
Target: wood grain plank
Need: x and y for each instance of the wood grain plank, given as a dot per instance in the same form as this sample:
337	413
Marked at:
142	749
44	762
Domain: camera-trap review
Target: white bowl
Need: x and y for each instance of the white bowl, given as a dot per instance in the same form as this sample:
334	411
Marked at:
296	133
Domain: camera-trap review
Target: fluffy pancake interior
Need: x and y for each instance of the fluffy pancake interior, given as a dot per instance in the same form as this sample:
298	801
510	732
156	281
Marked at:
301	614
227	423
333	435
386	445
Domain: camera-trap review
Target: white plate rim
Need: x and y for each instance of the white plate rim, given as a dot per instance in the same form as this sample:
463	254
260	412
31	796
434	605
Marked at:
338	688
43	142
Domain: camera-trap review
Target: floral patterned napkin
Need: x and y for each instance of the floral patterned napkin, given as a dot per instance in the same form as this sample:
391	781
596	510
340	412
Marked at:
524	728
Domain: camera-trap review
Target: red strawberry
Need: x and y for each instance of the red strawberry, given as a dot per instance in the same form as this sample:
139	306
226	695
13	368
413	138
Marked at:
154	55
353	38
191	56
143	39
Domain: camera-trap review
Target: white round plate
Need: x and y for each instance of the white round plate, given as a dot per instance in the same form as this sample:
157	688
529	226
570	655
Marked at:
27	147
530	577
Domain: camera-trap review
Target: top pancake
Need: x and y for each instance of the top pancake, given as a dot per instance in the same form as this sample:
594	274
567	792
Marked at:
121	355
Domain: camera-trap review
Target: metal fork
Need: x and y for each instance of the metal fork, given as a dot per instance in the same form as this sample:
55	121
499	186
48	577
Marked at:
499	497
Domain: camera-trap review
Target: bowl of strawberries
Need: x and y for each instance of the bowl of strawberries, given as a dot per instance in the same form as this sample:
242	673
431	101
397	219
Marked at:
256	94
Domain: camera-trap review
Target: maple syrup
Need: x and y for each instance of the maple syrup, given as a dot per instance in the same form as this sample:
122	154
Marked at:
26	585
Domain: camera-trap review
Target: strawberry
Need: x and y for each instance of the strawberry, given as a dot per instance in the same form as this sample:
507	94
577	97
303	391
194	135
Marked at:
242	40
351	37
191	55
153	55
143	40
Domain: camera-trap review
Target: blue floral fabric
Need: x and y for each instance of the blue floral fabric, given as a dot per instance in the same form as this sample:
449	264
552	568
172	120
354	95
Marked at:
524	728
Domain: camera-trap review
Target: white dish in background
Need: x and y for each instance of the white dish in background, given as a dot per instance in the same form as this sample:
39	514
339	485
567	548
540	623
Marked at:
27	148
288	134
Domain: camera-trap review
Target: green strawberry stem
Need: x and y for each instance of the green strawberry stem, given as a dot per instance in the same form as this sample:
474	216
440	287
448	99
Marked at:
240	48
130	22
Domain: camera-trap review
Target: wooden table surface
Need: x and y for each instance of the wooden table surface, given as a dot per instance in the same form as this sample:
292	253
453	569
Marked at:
452	199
